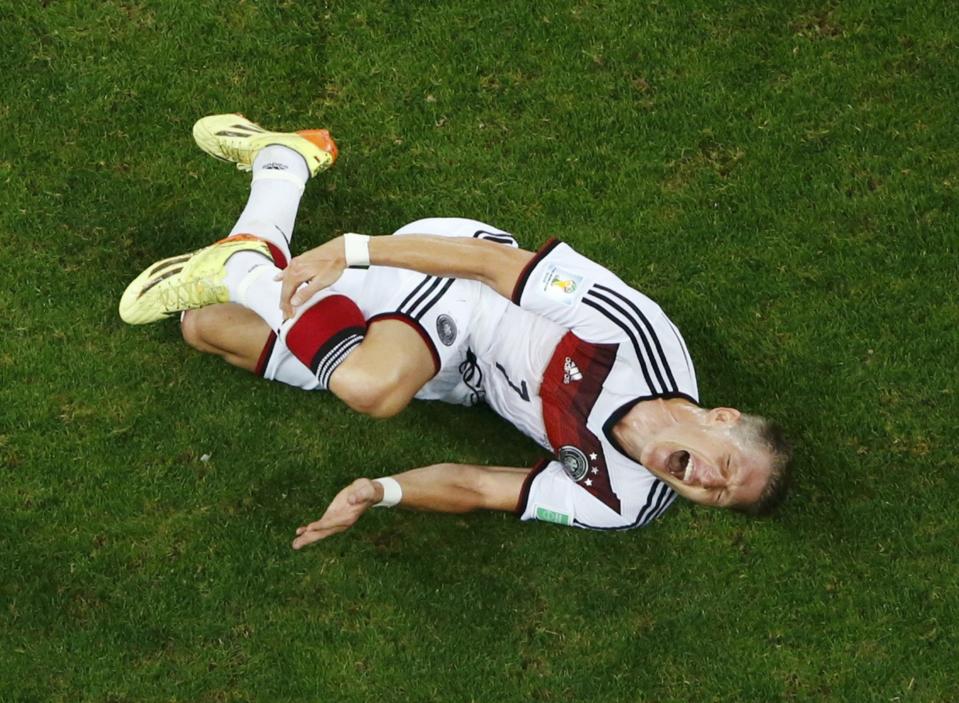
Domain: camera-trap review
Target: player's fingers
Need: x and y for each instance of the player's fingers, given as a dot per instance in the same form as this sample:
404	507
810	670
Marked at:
304	539
310	537
286	291
307	291
292	276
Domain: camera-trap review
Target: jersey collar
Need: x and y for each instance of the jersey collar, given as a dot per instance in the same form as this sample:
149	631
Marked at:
621	411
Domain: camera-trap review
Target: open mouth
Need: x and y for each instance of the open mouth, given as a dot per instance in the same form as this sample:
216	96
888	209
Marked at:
680	465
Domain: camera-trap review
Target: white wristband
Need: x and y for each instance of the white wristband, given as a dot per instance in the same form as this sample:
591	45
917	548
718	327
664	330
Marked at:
356	249
392	492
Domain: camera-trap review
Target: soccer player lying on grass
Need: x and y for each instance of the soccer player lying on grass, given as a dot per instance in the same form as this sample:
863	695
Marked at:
451	309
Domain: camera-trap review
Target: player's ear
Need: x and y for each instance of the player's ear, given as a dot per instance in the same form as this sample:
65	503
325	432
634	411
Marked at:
724	416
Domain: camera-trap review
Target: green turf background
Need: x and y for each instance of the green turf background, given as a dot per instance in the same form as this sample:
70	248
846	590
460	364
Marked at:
782	177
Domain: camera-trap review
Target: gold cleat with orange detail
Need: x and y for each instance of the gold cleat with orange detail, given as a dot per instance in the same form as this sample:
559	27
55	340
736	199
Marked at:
234	138
185	282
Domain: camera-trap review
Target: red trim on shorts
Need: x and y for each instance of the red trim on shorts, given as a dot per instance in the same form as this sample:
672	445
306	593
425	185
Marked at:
537	469
419	330
265	355
523	277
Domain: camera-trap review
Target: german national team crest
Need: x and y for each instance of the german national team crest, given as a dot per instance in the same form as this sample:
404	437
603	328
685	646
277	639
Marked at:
574	462
446	329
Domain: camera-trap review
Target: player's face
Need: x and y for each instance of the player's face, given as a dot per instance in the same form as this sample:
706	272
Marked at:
706	461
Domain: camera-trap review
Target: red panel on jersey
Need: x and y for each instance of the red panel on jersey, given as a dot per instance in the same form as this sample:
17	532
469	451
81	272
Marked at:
573	381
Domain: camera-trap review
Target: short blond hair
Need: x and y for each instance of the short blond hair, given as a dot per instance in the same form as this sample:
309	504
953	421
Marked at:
765	434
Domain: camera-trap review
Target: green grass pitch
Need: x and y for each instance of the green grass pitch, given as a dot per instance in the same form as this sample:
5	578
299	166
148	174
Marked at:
781	176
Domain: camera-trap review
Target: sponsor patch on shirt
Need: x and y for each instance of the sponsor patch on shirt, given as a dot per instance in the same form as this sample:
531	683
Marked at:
561	285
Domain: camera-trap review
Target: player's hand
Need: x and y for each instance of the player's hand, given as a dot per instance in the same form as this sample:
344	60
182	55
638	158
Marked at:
346	508
310	272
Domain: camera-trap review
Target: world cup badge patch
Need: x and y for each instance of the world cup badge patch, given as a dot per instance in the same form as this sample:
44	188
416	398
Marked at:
562	285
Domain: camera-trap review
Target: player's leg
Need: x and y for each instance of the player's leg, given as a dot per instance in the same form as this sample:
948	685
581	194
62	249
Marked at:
230	331
381	376
400	356
237	268
418	331
281	166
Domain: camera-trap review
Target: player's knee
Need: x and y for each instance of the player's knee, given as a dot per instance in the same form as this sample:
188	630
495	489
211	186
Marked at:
377	395
191	328
476	480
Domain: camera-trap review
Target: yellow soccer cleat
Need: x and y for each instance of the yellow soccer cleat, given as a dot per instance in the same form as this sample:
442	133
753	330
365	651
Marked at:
185	282
234	138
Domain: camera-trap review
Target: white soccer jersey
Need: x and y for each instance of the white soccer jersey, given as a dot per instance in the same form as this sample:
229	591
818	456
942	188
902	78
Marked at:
612	348
574	351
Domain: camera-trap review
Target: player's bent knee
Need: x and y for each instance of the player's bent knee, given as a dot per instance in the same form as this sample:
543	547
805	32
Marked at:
477	481
378	396
191	329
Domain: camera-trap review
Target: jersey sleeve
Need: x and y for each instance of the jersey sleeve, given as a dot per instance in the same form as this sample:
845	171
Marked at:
550	495
598	307
581	295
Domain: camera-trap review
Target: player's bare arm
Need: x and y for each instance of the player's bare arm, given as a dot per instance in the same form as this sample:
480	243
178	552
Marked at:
444	488
458	257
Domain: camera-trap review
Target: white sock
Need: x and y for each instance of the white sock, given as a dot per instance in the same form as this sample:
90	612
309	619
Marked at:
259	292
255	288
279	177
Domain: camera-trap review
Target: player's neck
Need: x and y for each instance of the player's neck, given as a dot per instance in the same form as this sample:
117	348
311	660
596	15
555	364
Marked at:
647	419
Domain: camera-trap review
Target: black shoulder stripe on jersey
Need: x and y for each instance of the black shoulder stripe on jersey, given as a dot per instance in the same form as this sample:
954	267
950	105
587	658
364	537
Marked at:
410	309
625	321
666	496
671	498
659	498
435	298
682	345
628	324
629	333
498	237
649	327
426	280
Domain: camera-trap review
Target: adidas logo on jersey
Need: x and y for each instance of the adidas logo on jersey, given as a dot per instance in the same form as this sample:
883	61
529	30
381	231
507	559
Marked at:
571	371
